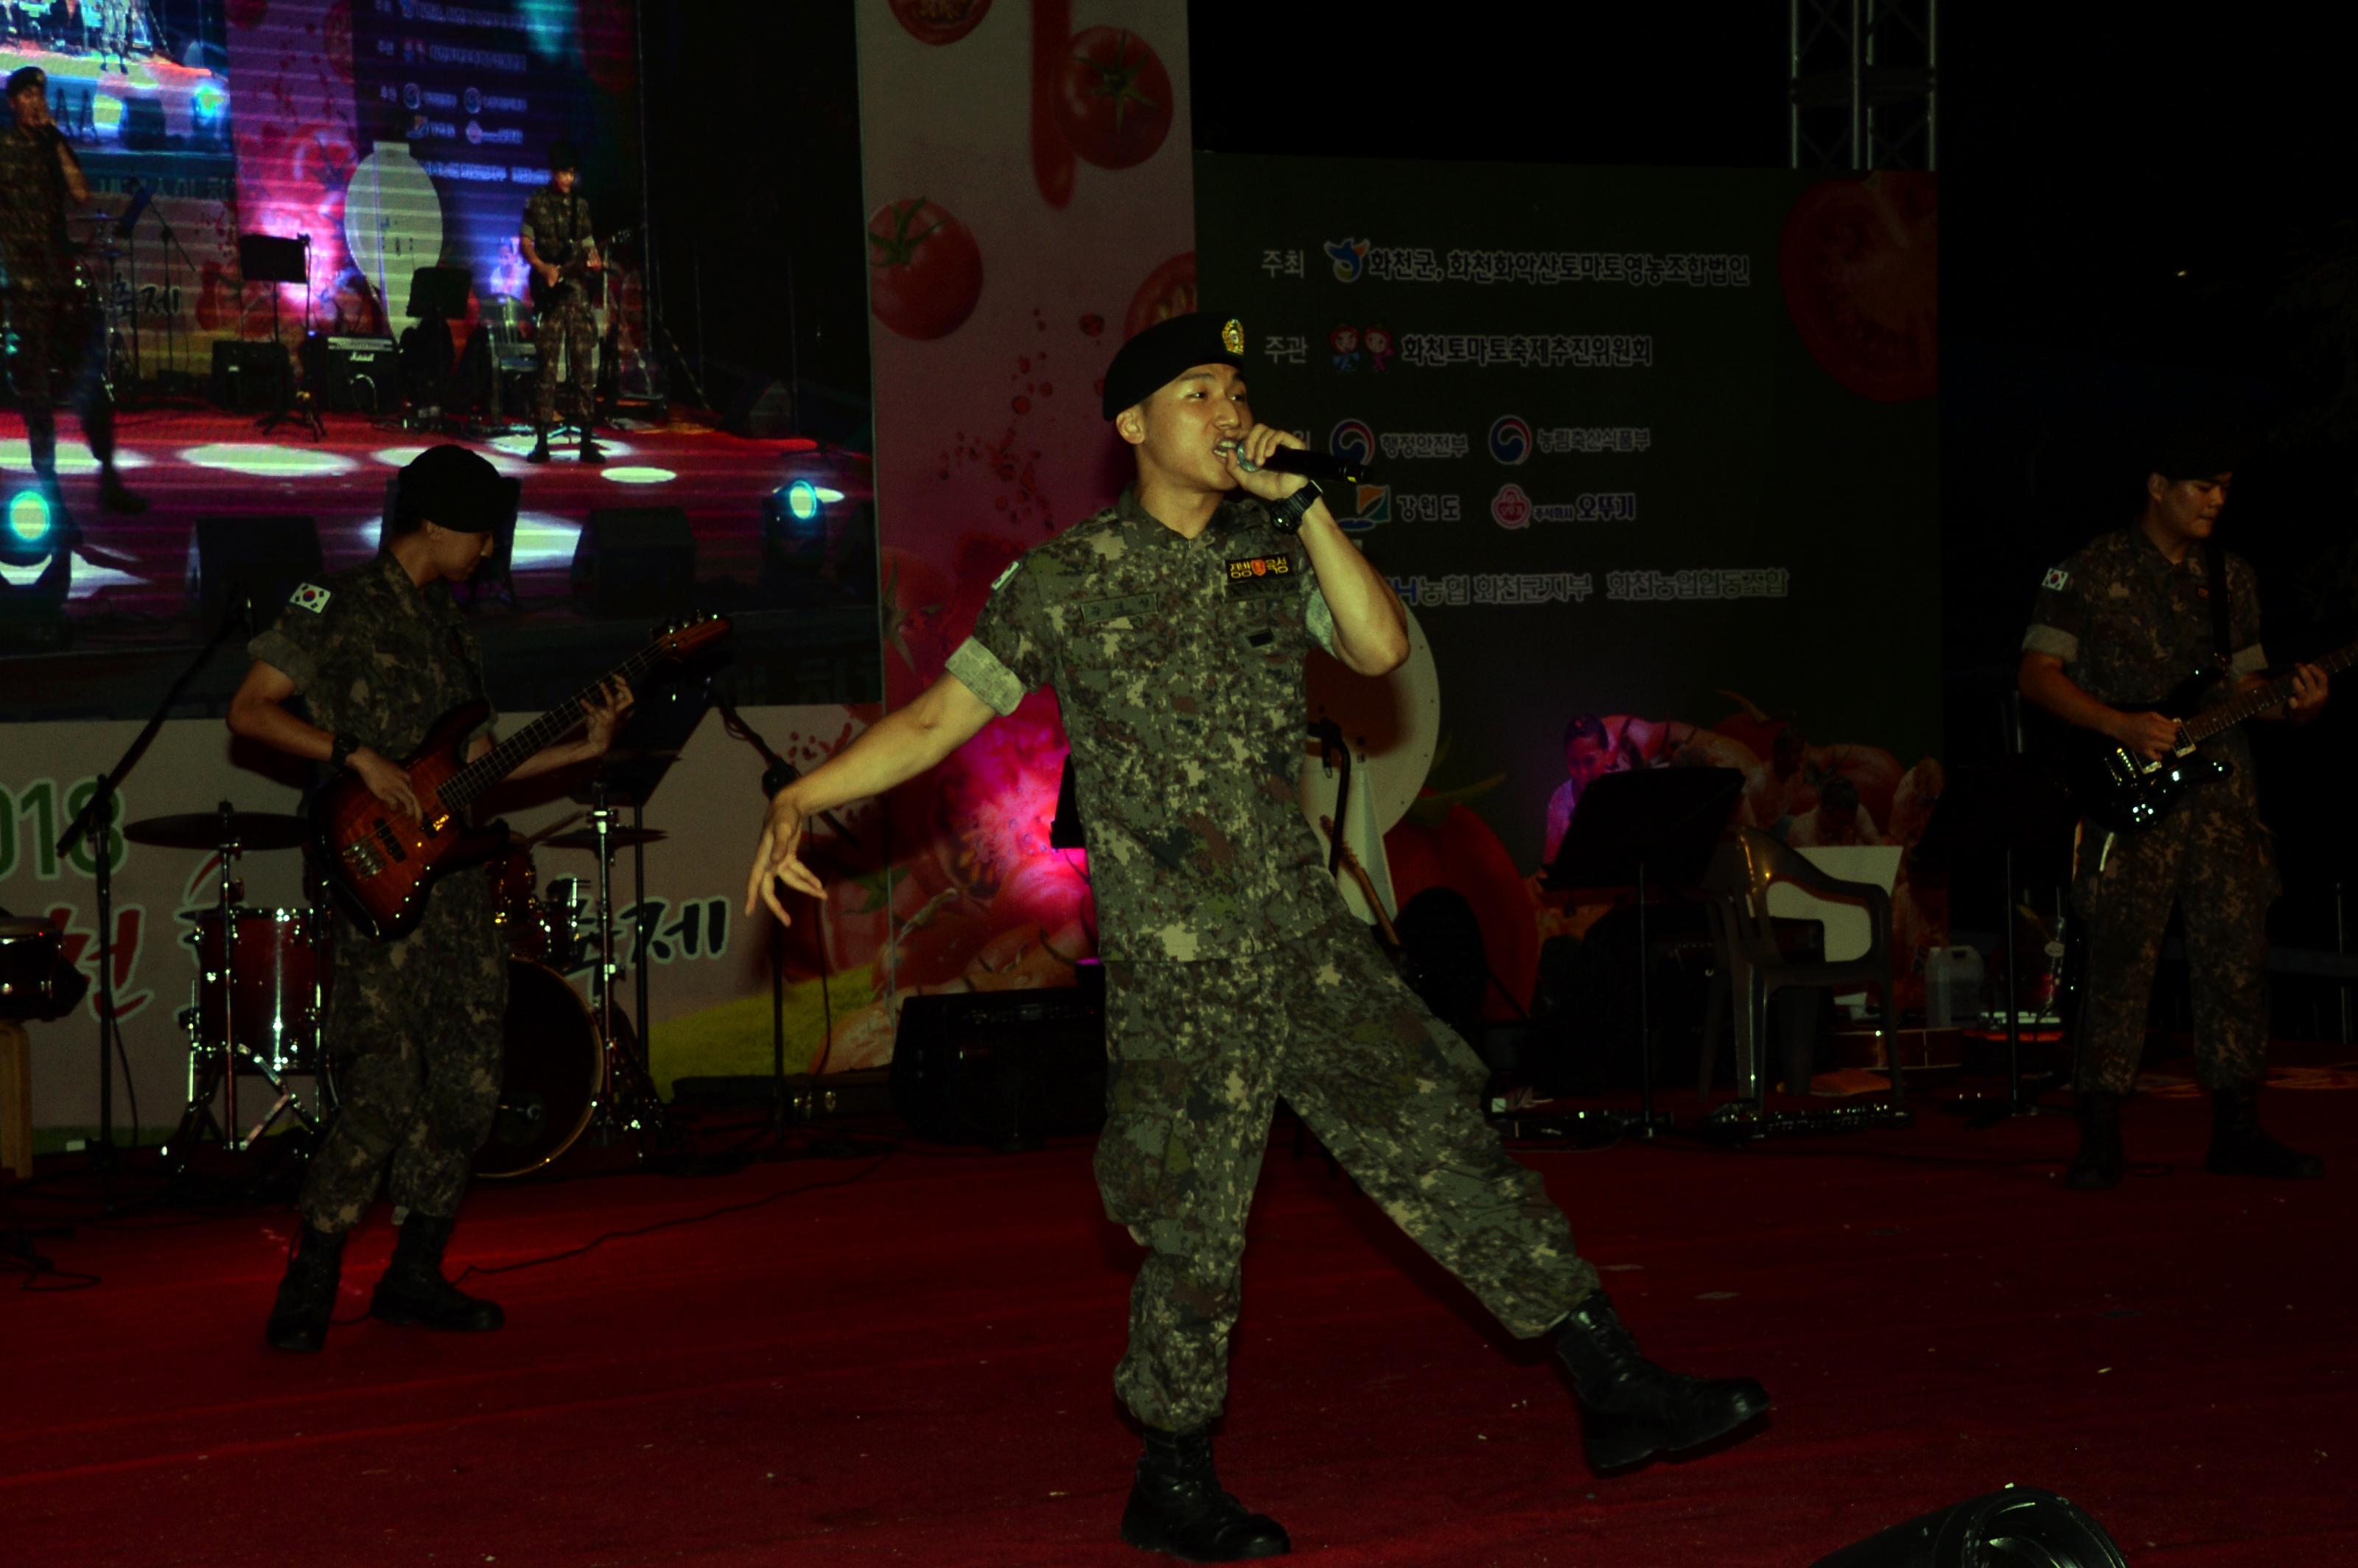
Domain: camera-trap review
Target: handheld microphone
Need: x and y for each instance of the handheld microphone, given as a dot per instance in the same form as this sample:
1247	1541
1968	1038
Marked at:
1322	467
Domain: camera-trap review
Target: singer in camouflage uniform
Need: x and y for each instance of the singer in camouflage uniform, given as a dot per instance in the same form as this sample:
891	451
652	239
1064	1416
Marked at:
1174	628
2115	631
58	337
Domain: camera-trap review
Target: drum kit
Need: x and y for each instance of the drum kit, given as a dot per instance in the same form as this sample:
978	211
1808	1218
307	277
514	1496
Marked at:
259	1006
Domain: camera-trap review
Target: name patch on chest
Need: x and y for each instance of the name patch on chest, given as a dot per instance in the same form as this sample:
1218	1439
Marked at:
1092	611
1260	574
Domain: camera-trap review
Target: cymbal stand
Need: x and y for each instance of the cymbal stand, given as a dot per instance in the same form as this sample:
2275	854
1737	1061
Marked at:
630	1101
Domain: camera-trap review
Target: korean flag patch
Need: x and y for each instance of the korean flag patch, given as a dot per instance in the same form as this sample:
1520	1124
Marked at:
2056	579
310	596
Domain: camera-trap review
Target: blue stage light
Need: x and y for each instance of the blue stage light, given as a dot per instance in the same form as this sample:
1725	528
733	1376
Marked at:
211	101
802	499
29	535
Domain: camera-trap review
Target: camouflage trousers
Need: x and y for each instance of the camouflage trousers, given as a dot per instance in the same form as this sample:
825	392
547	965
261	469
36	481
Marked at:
1200	1054
415	1027
566	325
58	350
2212	859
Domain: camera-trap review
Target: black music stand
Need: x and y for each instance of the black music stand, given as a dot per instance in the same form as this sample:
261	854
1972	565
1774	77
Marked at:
1654	829
2015	812
437	297
268	258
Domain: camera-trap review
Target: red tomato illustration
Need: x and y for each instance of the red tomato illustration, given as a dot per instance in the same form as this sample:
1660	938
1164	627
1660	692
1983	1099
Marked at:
940	21
1169	290
925	271
1860	267
1113	98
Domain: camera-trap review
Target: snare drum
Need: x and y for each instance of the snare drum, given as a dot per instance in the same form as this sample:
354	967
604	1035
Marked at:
30	969
273	989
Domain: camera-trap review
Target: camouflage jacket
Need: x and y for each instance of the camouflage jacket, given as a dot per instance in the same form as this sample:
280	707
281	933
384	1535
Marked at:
558	226
1178	664
375	656
35	253
2131	627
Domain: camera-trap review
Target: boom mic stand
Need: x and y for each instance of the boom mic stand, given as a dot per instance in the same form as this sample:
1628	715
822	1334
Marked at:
96	821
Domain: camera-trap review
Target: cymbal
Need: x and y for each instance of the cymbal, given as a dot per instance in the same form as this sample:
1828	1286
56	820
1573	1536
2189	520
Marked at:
620	837
206	830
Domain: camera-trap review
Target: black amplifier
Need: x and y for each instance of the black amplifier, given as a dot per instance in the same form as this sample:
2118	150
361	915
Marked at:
1003	1068
249	377
361	376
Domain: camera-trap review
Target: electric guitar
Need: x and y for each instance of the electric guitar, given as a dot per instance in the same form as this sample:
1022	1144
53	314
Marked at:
380	863
543	293
2117	788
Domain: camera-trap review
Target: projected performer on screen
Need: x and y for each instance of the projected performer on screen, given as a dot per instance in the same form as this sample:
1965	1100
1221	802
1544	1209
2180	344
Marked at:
557	241
1175	627
56	336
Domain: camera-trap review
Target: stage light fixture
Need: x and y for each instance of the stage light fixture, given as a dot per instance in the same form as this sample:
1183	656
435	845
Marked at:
802	499
2021	1527
29	536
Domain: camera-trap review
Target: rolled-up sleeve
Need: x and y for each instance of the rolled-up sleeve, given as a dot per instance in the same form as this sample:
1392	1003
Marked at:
1008	656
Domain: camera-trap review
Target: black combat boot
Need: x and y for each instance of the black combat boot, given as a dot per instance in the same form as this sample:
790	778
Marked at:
2241	1147
2098	1165
1176	1505
413	1290
589	450
306	1296
1629	1408
539	453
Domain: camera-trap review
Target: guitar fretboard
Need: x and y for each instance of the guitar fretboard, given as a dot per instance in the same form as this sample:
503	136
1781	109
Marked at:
2227	715
460	790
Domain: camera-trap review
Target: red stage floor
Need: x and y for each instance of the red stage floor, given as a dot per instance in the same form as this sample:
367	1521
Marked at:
188	463
909	1363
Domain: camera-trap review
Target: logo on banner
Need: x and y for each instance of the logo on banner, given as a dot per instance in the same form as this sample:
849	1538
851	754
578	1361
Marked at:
1350	258
1510	508
1511	441
1352	441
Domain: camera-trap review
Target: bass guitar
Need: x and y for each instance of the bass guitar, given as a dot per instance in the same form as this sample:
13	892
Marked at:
380	863
2117	789
572	270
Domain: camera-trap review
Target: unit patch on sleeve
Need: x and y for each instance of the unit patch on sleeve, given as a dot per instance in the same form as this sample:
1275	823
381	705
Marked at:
1000	580
2056	579
310	596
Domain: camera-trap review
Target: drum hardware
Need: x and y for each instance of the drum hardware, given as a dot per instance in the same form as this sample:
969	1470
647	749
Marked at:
260	973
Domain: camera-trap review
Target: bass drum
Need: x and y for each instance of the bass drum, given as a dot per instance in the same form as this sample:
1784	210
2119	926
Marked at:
553	1073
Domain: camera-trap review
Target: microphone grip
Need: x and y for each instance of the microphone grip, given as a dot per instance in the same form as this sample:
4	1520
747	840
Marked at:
1322	467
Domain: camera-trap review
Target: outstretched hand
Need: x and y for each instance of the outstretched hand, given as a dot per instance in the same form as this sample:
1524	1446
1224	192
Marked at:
778	858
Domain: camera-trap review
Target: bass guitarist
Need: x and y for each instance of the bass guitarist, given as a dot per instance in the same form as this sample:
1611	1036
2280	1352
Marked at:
2135	614
377	654
555	240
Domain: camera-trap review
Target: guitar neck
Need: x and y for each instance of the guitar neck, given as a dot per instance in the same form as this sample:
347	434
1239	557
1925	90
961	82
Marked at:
2226	715
469	782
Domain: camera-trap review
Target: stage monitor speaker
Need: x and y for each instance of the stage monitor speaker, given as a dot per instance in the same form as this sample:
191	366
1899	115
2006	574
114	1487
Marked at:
764	407
1005	1069
249	377
2020	1526
143	125
266	555
635	562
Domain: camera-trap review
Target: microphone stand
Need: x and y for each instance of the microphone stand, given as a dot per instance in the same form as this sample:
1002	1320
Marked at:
96	821
776	775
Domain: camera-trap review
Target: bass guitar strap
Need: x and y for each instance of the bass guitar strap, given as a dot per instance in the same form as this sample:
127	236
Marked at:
2214	569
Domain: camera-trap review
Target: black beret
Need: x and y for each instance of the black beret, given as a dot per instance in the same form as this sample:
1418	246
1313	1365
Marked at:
561	156
455	488
1162	352
24	77
2197	448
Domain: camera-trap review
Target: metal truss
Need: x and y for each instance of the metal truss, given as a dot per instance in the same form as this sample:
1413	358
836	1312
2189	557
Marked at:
1864	83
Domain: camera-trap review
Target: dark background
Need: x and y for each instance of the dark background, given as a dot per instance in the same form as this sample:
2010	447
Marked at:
2086	163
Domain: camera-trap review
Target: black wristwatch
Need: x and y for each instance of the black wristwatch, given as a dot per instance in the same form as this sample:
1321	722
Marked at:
340	754
1286	515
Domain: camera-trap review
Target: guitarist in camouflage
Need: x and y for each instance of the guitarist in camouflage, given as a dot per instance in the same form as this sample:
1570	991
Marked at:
2135	614
555	235
376	655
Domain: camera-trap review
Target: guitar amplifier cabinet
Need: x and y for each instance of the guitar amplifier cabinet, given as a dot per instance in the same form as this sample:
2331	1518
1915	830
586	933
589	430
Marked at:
363	374
249	377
